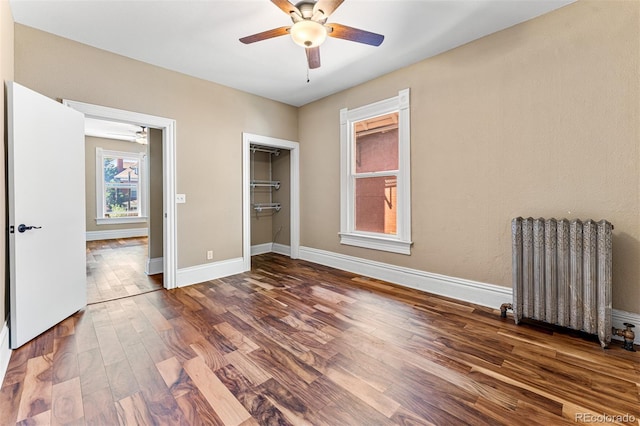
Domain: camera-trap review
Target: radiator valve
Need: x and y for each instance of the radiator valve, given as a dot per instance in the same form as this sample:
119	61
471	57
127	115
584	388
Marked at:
628	335
503	309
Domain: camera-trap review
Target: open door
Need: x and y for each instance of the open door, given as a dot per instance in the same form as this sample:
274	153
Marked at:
47	248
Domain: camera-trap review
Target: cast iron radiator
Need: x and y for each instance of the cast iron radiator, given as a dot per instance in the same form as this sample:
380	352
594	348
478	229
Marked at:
562	274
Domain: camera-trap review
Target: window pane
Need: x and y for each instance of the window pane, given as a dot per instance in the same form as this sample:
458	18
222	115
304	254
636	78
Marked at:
375	206
121	200
121	187
377	144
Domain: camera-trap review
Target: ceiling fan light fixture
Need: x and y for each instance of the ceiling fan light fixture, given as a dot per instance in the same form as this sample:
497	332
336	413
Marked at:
308	33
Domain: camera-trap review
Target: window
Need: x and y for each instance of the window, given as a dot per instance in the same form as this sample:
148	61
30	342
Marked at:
375	183
120	186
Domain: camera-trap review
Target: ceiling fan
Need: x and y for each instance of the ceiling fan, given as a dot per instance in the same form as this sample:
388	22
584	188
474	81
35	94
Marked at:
310	28
141	136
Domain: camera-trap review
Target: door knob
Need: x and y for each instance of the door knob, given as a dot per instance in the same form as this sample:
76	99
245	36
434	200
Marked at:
22	227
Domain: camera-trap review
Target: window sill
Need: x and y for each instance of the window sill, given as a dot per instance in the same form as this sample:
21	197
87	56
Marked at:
376	243
112	220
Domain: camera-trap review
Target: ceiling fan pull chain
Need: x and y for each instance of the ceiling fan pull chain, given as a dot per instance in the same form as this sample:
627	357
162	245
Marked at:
308	80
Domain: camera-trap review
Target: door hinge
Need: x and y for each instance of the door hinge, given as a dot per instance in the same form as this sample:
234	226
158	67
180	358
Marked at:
12	229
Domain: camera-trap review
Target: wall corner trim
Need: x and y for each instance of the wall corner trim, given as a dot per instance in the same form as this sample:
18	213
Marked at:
5	351
209	271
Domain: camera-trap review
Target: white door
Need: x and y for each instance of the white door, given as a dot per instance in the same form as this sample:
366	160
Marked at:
47	248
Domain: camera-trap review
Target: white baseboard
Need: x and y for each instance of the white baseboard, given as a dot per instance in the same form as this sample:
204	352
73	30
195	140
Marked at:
281	249
154	266
117	233
5	351
469	291
479	293
271	248
209	271
261	249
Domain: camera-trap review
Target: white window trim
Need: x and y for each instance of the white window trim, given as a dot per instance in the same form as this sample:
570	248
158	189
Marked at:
142	188
401	242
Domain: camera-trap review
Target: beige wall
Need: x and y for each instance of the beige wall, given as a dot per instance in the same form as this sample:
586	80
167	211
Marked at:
156	207
541	119
91	143
6	74
210	121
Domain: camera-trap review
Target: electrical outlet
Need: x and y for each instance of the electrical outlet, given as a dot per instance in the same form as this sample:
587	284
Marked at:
209	254
181	198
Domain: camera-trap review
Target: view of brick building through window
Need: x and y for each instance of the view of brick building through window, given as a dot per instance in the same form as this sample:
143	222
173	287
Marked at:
121	186
376	169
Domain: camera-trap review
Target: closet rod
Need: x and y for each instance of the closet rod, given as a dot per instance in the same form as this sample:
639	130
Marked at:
257	148
267	206
270	183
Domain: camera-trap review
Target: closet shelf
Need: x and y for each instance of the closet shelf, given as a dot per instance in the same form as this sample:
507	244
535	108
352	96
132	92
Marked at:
267	206
265	183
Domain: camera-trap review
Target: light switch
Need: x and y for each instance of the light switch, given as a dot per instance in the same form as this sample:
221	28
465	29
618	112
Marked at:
181	198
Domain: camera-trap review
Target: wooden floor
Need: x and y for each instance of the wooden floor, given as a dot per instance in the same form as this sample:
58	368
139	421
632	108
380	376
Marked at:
115	269
297	343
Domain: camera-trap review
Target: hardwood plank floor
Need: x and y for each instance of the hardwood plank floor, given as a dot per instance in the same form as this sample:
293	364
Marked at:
115	269
296	343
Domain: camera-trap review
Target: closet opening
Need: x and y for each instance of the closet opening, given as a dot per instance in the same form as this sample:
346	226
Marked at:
271	198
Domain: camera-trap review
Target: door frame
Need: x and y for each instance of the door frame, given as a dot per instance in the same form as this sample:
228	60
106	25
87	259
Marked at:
294	167
168	127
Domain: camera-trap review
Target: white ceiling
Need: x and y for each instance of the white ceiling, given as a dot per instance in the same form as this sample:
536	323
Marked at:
200	37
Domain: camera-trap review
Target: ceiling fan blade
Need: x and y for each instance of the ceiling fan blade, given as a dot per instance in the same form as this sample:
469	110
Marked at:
276	32
313	57
287	7
354	34
326	6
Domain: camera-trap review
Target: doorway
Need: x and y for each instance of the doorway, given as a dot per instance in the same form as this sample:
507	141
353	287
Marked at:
123	181
167	127
249	209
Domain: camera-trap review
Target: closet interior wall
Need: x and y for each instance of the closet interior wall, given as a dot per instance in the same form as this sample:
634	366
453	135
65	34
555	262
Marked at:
282	220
